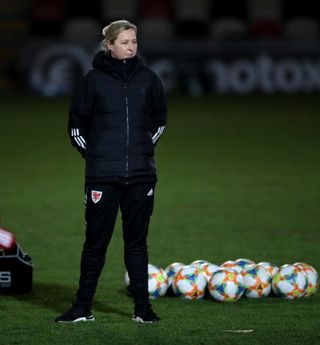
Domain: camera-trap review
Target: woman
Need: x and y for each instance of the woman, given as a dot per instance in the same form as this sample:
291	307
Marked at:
117	114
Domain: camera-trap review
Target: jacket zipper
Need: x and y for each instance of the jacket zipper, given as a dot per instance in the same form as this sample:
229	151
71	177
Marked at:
127	113
127	119
128	129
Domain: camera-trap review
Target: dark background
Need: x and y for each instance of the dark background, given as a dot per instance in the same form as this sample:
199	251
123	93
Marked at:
47	44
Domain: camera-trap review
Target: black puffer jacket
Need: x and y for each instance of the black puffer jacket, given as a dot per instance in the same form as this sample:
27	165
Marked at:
117	114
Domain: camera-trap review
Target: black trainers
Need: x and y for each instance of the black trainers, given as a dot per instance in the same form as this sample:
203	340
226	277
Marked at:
75	314
148	316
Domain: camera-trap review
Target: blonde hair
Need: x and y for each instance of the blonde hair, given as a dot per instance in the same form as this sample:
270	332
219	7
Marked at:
112	31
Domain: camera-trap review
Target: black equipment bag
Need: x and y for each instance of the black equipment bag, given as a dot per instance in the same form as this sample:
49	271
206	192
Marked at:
16	270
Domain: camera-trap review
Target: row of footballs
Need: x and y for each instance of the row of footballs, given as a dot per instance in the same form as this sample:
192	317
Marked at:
232	279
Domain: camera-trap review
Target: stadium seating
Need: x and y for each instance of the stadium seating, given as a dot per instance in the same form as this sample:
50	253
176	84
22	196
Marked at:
265	19
75	8
301	29
155	30
155	9
294	8
228	20
189	9
228	28
83	31
229	8
155	23
199	19
301	23
191	18
118	9
47	17
264	9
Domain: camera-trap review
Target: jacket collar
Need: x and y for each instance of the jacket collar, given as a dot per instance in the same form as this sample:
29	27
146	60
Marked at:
121	68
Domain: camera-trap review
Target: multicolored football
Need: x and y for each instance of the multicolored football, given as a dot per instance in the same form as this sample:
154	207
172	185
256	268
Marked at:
209	269
189	283
271	268
157	281
244	263
206	267
257	281
171	270
290	282
312	276
199	263
226	285
232	264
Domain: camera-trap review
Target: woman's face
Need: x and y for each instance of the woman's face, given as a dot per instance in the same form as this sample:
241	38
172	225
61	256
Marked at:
125	46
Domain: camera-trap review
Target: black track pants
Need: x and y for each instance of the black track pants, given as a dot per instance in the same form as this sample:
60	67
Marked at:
103	201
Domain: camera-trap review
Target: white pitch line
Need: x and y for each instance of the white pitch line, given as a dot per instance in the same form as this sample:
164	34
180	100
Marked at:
238	330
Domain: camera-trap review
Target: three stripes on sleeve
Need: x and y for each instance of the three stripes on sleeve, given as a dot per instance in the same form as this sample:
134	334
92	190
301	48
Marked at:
79	139
158	134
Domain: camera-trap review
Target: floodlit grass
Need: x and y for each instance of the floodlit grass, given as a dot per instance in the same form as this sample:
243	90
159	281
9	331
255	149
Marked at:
238	177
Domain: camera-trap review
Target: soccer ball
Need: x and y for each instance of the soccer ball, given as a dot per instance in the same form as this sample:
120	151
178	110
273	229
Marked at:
226	285
312	276
257	282
172	270
157	281
232	264
290	282
199	263
189	283
244	262
209	269
205	267
271	268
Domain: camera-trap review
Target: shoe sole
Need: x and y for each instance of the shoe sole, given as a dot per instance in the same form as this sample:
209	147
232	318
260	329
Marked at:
139	319
79	319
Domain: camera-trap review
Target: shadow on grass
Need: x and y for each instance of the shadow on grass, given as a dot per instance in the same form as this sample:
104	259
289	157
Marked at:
58	297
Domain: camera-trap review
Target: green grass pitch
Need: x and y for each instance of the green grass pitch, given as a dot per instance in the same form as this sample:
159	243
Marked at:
238	177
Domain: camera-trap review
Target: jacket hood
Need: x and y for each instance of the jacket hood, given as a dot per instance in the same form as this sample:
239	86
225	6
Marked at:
124	68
